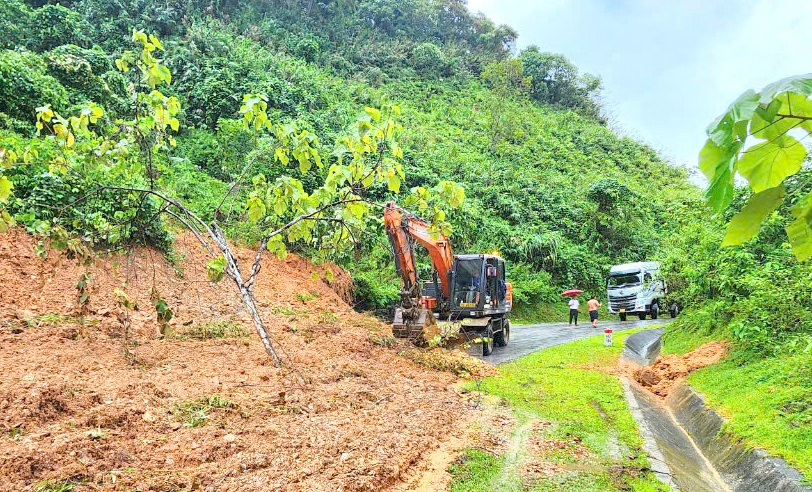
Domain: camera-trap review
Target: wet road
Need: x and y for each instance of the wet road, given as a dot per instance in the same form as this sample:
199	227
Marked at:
526	339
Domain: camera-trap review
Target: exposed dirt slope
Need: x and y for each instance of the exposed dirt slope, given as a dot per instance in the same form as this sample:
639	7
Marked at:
669	370
77	403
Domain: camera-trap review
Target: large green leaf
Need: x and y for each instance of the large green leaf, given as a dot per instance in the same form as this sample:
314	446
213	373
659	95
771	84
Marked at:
744	225
800	237
5	189
799	230
799	84
803	209
771	130
767	164
732	124
797	105
717	163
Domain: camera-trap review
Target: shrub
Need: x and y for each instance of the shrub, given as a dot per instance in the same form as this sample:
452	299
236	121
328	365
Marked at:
429	60
372	291
307	49
15	21
54	25
106	218
27	85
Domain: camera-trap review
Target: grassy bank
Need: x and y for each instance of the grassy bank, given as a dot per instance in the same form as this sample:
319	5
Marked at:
573	428
767	402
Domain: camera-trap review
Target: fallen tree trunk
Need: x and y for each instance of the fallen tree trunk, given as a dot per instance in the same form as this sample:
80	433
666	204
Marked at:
233	270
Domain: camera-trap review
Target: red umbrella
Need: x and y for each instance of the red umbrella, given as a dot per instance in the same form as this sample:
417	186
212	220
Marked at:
571	292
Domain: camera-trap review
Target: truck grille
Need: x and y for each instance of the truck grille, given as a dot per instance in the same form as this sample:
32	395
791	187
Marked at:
622	302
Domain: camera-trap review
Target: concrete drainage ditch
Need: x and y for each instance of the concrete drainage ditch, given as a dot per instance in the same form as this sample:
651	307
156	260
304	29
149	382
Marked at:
684	441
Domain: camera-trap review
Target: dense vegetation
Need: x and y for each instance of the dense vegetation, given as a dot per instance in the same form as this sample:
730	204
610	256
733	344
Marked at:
559	194
548	184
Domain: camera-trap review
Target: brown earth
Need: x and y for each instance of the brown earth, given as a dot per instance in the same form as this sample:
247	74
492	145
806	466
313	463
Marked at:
81	403
670	370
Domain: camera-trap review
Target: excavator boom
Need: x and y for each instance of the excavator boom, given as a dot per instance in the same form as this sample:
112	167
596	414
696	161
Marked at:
415	318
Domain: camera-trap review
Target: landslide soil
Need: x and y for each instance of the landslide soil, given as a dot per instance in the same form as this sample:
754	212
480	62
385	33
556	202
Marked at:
81	403
669	371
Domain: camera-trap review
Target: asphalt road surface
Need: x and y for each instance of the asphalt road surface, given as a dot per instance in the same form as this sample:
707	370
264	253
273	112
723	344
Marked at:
526	339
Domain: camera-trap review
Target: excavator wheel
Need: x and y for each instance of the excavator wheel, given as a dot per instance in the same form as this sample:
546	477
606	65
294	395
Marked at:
419	329
487	343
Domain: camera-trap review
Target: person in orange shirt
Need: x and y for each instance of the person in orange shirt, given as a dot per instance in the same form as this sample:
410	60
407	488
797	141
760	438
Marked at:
593	306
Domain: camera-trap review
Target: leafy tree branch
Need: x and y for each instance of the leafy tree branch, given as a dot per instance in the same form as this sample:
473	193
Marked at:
753	138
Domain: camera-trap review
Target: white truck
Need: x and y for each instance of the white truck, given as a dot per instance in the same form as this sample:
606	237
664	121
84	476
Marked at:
638	289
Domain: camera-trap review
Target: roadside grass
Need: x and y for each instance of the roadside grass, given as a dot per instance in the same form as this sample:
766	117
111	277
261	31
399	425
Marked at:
586	422
55	486
474	468
679	340
767	403
542	312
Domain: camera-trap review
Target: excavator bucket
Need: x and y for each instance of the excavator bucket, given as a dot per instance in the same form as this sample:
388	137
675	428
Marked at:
418	325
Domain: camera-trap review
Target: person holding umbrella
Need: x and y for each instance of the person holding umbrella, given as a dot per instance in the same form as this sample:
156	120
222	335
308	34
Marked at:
574	304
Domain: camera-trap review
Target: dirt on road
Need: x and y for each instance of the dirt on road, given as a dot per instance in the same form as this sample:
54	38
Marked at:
83	404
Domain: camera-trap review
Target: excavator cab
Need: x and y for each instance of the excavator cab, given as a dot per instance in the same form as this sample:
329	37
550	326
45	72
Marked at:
479	287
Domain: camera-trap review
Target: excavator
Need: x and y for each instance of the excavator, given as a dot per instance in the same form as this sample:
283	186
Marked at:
469	289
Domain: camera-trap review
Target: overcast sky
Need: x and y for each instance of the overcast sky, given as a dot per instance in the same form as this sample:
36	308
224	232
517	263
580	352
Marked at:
668	67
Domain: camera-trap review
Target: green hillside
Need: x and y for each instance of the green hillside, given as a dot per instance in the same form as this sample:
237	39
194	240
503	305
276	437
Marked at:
548	184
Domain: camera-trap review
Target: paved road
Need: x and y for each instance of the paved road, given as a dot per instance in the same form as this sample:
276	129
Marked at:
526	339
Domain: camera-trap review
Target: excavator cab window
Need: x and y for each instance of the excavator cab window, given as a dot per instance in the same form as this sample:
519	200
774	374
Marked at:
493	281
501	283
468	283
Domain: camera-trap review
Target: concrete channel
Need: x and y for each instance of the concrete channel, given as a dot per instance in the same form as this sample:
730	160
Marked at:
685	442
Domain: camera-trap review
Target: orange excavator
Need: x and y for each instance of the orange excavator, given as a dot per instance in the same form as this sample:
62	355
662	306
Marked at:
469	289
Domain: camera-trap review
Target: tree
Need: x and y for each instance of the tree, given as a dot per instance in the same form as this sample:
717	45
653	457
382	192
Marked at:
506	80
328	217
429	60
556	81
759	138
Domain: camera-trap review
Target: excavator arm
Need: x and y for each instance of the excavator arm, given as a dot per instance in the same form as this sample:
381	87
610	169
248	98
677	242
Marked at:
415	318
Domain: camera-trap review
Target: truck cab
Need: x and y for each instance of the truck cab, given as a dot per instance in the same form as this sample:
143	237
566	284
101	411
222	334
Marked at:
636	289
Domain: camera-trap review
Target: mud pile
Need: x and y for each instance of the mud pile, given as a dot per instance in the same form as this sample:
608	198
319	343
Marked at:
669	370
83	404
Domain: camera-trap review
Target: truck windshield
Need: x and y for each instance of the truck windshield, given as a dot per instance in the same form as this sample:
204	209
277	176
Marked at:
622	279
467	282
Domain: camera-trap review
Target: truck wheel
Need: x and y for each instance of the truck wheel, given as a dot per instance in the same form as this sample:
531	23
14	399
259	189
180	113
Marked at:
487	345
642	316
655	310
503	336
622	316
673	311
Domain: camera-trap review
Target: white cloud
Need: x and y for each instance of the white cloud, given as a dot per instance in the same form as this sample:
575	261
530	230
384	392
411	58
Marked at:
669	68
